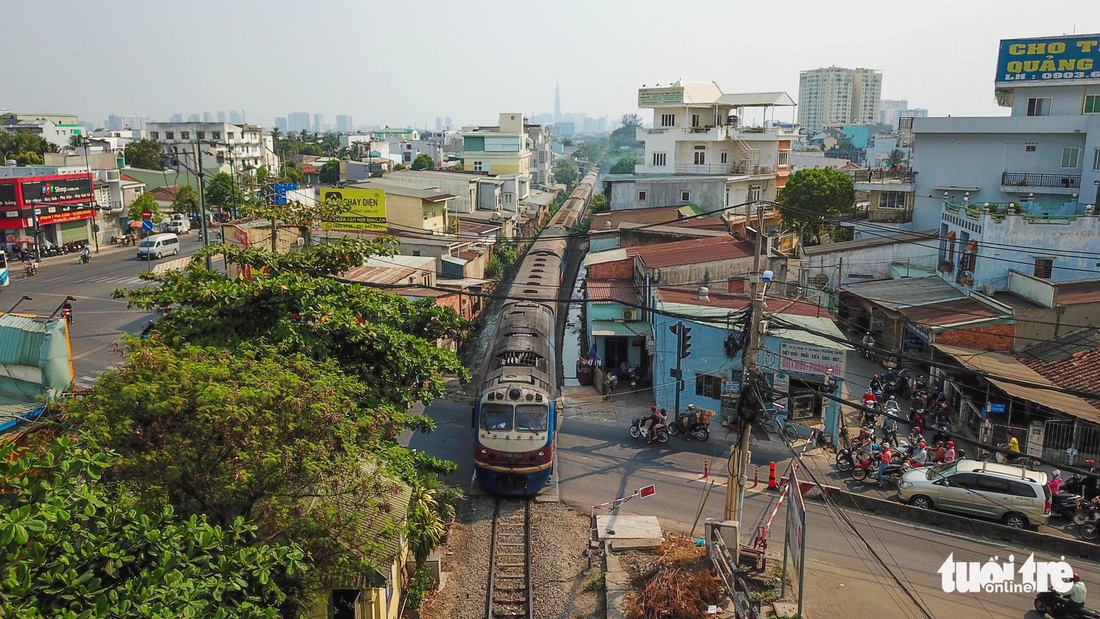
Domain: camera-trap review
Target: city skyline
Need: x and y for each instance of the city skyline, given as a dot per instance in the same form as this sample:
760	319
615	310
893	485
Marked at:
421	83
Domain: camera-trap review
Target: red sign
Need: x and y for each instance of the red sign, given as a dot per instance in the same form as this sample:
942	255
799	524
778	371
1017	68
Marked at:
147	214
58	218
645	491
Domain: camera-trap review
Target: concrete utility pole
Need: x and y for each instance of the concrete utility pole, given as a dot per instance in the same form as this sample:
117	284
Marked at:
202	199
739	456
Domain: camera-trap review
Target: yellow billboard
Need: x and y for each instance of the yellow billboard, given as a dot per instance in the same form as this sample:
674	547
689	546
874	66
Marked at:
364	209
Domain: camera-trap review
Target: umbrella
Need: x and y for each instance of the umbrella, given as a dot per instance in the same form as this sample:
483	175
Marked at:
135	224
24	240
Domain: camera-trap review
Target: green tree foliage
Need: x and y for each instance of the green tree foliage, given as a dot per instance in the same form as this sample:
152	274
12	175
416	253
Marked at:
295	214
29	157
330	172
599	203
501	259
222	191
811	196
144	202
186	201
565	172
20	143
627	134
625	165
423	161
590	151
145	154
74	545
897	157
330	143
292	173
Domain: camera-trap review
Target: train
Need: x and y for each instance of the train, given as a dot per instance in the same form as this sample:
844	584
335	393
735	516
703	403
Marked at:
515	410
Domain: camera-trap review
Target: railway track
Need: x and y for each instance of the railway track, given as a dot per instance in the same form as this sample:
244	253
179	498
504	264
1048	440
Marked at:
510	585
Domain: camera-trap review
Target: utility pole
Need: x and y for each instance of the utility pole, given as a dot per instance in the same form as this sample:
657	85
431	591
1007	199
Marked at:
739	456
202	200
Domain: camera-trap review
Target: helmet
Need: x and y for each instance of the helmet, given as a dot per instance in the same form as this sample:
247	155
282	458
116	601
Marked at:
653	408
950	443
874	446
691	407
916	429
875	376
920	444
893	399
1076	577
939	443
1056	473
663	411
1090	462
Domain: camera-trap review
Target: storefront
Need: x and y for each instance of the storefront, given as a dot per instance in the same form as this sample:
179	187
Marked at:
53	210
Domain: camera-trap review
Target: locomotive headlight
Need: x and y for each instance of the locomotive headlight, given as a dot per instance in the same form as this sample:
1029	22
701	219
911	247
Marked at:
514	394
492	395
530	396
538	397
484	451
541	454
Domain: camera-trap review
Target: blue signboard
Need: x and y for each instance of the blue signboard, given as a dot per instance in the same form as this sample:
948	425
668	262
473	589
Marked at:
147	225
996	408
281	189
1049	60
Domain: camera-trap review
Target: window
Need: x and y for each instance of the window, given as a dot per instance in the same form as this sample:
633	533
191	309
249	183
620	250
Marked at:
724	157
171	135
496	416
185	135
708	386
507	197
668	120
784	158
754	193
1043	267
641	196
1096	159
531	418
155	134
1092	104
891	199
1029	147
660	159
967	261
478	167
1038	106
200	135
694	120
217	135
229	135
685	196
1071	157
700	157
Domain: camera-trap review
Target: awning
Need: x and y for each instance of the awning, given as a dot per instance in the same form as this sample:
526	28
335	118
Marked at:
615	328
806	329
998	364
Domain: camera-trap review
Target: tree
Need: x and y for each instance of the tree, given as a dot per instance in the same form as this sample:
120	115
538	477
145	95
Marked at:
142	203
13	145
423	161
222	190
811	196
565	172
186	201
330	172
296	214
74	545
897	156
330	143
625	165
145	154
29	157
627	134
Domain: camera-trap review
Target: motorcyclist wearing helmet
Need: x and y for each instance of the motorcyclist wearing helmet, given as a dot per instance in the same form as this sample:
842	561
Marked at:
890	376
949	455
1055	483
692	415
919	455
916	437
875	386
936	453
1075	597
1092	484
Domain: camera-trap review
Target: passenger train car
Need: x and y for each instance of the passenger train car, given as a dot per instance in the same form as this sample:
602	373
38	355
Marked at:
515	410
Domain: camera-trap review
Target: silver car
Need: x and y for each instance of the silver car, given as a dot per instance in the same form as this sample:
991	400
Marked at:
1015	496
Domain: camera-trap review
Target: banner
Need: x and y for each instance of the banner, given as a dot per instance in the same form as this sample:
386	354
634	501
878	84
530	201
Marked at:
7	194
1049	59
58	190
364	209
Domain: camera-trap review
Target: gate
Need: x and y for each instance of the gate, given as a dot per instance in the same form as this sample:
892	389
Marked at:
1070	442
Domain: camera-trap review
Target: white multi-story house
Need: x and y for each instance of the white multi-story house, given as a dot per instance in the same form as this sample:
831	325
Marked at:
542	160
57	129
223	147
698	152
837	96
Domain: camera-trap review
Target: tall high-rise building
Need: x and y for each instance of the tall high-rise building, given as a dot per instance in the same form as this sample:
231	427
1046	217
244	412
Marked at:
221	117
888	110
343	123
447	124
207	117
298	121
175	118
318	123
194	118
439	123
236	117
557	102
280	123
837	96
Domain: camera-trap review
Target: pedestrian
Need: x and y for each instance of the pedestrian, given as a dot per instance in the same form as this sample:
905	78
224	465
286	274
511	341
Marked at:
883	462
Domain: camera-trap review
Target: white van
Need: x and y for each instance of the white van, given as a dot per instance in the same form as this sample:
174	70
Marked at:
158	246
178	223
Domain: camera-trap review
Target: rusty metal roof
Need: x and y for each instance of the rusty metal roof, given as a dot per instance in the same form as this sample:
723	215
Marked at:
954	312
692	251
605	291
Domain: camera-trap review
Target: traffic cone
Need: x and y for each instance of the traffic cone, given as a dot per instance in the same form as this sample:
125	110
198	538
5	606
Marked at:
771	477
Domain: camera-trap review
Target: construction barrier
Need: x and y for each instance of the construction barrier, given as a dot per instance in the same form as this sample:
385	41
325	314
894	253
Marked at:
771	477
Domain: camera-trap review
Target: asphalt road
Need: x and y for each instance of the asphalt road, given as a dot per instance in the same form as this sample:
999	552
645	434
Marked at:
99	320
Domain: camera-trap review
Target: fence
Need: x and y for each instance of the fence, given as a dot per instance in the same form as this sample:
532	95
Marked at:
1069	442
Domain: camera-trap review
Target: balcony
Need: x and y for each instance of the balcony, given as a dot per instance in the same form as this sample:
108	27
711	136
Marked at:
1031	211
1026	182
890	215
883	176
739	168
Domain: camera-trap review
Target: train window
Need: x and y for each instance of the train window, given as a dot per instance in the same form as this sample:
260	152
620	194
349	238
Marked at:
531	418
496	416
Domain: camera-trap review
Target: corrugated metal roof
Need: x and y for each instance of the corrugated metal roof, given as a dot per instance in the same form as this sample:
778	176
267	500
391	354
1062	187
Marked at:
757	99
898	293
955	312
614	328
1073	293
692	251
928	236
604	291
1002	365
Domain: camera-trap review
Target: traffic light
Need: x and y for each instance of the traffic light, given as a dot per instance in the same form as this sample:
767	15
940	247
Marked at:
685	342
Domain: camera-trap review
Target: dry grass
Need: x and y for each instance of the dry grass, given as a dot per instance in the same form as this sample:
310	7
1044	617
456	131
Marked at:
677	586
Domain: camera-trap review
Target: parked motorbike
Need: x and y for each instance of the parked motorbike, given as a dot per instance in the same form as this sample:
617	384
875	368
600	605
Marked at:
1053	604
661	428
1065	504
700	431
1087	512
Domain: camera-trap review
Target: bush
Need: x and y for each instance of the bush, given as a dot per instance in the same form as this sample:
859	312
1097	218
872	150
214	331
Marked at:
419	587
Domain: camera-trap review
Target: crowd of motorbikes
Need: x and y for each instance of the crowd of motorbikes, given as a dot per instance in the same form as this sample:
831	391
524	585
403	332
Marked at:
656	427
31	258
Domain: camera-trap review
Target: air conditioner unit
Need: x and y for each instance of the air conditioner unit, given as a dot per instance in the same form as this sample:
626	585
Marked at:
631	314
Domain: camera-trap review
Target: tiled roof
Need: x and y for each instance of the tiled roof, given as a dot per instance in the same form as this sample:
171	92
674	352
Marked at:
780	305
953	312
693	251
475	227
603	291
1071	361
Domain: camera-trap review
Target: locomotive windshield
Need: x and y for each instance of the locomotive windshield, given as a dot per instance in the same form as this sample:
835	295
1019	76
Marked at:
531	417
496	416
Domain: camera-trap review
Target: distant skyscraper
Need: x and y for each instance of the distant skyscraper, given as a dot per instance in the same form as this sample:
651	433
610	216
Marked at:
114	122
280	123
837	96
439	123
298	121
221	117
194	118
207	117
343	123
557	102
318	123
888	110
447	124
236	118
175	118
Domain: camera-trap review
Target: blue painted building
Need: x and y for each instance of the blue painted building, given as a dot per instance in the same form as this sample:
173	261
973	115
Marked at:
793	360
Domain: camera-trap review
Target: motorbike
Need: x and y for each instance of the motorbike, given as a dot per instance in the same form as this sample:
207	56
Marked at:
866	467
1087	511
1017	459
867	351
892	386
147	329
661	428
30	269
699	432
917	416
85	259
1051	603
903	382
1065	504
67	314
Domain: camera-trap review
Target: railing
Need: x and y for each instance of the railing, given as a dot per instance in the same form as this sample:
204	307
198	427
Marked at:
883	176
891	215
704	168
1024	179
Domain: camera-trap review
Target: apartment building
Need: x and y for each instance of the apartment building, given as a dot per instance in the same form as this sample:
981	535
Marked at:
223	147
501	149
837	96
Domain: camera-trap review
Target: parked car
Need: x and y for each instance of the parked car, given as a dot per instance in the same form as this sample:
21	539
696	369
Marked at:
1013	495
158	246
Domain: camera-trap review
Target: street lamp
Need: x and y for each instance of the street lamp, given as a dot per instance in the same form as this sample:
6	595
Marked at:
25	298
95	204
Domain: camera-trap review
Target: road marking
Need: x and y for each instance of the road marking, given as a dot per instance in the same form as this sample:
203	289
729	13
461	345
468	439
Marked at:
109	280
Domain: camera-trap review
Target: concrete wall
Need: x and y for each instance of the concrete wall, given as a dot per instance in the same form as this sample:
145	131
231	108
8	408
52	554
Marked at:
868	263
707	194
692	274
462	186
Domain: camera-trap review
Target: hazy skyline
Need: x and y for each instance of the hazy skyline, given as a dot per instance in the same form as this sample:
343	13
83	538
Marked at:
399	64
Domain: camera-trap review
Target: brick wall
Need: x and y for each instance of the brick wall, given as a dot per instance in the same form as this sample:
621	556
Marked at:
620	269
991	337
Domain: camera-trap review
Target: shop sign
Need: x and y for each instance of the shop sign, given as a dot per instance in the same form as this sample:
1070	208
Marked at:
804	359
7	194
59	190
59	218
914	330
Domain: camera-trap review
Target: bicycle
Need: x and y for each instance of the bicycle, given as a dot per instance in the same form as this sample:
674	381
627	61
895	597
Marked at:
777	423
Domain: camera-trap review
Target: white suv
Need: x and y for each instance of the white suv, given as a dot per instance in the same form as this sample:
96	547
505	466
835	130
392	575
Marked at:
1016	496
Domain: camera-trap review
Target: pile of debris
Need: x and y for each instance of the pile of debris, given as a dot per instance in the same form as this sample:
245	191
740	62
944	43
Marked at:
677	584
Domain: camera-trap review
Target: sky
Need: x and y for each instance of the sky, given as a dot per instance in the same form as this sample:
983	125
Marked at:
406	63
